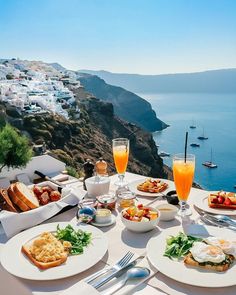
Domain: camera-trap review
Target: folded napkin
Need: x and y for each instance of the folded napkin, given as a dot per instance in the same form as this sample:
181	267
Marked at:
81	288
84	288
13	223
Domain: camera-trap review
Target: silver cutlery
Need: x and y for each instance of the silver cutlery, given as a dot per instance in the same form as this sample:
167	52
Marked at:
117	273
133	273
210	219
224	218
114	269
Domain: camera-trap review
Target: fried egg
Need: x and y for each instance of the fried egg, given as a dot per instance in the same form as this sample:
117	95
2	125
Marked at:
228	247
203	252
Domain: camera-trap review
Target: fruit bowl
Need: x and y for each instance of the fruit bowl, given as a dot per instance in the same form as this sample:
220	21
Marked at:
134	221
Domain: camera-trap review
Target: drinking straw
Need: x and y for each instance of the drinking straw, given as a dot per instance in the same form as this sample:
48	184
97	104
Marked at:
185	148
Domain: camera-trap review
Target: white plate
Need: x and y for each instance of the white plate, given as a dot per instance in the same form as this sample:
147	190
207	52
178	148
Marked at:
133	187
202	203
113	220
16	263
181	273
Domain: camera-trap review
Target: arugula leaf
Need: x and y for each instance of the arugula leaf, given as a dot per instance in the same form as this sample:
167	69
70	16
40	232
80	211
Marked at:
178	246
78	239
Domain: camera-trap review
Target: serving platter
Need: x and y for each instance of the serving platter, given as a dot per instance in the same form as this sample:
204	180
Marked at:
202	203
178	271
133	187
16	263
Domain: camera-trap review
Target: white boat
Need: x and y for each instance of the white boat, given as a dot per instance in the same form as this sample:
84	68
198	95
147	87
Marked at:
209	164
195	144
163	154
202	137
192	126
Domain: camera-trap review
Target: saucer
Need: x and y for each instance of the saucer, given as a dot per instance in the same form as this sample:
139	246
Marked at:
113	220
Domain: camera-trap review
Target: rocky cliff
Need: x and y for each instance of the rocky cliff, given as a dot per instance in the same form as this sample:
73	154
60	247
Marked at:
90	136
127	105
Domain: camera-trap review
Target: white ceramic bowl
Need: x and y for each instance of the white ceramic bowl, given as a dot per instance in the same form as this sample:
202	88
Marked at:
140	227
97	186
168	213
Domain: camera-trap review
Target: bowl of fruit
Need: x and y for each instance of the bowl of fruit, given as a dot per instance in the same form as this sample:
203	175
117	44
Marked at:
140	218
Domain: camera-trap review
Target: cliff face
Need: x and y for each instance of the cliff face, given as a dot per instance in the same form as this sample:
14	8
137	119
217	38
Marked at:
127	105
90	136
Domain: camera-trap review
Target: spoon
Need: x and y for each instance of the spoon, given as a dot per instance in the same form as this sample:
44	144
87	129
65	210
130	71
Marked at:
224	218
133	273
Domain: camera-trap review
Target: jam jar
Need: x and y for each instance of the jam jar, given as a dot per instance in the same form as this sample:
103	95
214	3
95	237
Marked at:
126	199
107	201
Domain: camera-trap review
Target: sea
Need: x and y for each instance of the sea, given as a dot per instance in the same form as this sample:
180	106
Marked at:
213	114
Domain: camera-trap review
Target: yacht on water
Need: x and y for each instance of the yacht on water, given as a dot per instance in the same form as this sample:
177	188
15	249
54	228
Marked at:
195	144
164	154
209	164
193	126
202	137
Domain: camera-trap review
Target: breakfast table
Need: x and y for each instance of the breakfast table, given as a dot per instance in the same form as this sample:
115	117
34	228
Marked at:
120	240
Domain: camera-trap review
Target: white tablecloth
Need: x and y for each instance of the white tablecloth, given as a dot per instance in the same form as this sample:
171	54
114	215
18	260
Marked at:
120	241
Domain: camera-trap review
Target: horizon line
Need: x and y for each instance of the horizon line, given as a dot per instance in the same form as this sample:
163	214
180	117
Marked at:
124	73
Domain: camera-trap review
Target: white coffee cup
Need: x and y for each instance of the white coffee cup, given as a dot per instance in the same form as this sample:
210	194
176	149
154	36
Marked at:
97	186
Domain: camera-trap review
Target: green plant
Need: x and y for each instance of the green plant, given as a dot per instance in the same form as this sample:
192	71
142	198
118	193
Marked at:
15	151
72	171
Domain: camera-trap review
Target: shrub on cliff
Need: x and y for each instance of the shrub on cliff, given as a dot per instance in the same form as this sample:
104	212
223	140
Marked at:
14	148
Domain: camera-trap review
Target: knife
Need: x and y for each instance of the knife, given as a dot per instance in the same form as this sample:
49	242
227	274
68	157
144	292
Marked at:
117	273
49	179
208	218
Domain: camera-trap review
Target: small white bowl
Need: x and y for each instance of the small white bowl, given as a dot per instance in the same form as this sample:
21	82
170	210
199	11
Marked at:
169	213
97	186
140	226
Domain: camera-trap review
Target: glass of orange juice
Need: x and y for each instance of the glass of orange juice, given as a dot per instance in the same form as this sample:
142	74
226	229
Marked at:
183	171
120	147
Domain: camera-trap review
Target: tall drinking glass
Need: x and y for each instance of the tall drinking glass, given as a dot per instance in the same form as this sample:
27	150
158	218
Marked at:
183	178
120	147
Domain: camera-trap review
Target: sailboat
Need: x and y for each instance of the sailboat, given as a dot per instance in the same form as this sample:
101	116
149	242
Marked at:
202	137
194	144
210	164
193	126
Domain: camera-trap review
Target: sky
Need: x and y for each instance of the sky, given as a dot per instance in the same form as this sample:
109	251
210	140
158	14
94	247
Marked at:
125	36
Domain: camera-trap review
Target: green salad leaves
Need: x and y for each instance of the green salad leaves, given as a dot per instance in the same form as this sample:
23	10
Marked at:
179	246
78	238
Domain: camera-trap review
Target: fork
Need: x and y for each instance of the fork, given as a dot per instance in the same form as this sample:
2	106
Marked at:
119	264
115	269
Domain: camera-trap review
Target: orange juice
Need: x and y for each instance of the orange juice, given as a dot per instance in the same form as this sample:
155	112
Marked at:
121	155
183	178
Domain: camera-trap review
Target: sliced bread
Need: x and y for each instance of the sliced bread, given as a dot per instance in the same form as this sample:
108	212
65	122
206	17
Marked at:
189	260
43	265
26	195
5	201
16	200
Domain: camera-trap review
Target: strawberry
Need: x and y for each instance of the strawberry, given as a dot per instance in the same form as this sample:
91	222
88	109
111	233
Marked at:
140	206
221	199
227	202
214	201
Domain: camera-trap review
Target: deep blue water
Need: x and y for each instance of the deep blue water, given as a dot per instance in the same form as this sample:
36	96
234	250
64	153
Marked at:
217	114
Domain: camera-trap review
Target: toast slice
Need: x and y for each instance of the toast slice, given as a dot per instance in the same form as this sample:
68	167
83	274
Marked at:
16	200
46	251
230	197
5	201
26	195
189	260
43	265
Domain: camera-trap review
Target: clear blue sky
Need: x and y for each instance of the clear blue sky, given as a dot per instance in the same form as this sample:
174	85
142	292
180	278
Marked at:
135	36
